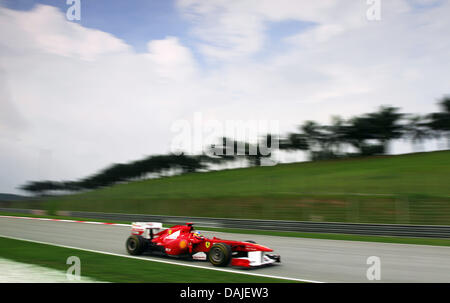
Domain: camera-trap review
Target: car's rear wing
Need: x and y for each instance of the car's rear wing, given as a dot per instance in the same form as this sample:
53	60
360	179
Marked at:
146	229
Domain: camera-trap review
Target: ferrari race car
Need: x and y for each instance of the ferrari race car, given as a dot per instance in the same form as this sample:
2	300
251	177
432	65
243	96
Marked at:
184	242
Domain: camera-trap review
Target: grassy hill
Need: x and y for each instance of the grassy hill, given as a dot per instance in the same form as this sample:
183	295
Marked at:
412	188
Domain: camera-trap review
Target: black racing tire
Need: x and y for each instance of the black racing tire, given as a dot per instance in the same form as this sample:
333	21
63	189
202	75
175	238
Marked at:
220	254
136	245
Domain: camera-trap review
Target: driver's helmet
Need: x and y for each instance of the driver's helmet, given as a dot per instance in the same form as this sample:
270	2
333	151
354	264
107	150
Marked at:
197	234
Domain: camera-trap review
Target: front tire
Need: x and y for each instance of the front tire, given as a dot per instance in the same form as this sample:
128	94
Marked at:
136	245
220	254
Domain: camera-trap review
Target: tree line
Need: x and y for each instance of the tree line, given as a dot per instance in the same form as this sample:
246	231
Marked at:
366	135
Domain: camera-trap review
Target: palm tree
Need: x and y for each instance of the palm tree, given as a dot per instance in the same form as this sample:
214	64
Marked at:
321	139
385	125
381	126
336	134
416	130
313	134
440	121
294	141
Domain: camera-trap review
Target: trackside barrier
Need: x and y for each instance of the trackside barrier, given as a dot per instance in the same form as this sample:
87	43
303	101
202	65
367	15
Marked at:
431	231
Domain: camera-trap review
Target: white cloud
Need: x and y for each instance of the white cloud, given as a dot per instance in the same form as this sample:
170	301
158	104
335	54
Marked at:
230	29
46	29
173	60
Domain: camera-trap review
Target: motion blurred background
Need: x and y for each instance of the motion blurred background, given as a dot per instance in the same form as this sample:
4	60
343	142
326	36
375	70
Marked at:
87	109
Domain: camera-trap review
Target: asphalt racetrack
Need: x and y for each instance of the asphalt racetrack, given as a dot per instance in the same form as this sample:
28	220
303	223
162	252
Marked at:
309	259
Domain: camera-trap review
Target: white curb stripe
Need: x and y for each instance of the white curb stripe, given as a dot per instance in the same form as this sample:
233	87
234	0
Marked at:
64	220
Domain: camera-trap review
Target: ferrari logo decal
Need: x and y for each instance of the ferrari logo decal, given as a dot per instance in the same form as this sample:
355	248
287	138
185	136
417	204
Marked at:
169	232
207	244
182	244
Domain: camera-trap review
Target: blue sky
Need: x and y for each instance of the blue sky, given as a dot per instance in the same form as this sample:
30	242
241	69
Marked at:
135	22
425	4
139	21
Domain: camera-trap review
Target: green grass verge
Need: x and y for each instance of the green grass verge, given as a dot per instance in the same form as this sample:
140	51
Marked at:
110	268
406	189
347	237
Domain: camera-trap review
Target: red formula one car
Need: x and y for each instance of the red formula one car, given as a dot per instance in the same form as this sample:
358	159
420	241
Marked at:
184	242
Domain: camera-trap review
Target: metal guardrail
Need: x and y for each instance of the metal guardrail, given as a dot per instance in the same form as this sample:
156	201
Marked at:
429	231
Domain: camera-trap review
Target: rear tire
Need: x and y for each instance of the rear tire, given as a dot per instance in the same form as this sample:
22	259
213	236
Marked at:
136	245
220	254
